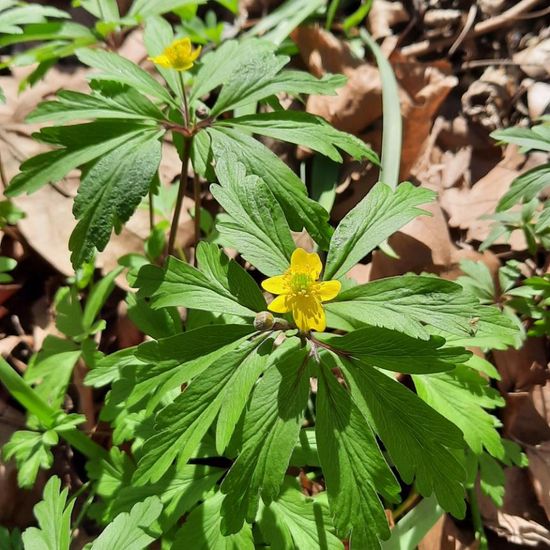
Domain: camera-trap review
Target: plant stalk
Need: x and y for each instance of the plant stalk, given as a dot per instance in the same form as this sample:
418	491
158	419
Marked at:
34	404
477	520
181	194
197	199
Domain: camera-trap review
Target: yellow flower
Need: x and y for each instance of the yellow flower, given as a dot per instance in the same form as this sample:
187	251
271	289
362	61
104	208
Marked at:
179	55
301	293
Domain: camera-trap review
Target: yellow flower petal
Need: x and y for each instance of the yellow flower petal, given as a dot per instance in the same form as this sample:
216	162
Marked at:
328	290
281	304
304	262
308	314
178	55
276	285
161	60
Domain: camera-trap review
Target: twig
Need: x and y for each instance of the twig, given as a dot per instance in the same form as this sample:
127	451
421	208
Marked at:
483	27
470	20
181	194
85	394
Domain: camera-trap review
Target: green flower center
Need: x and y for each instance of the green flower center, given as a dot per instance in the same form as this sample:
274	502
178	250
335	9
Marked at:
301	284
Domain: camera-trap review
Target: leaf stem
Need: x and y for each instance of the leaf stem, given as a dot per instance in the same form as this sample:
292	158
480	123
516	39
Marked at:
197	199
406	505
34	404
151	211
181	194
477	520
185	105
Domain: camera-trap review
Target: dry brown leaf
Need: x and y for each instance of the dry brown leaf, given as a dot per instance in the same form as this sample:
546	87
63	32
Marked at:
522	418
521	369
534	61
539	467
446	535
520	520
466	207
422	245
383	15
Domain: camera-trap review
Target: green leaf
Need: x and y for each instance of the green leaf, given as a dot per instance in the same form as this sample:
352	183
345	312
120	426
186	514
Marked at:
304	129
83	143
180	426
419	440
147	8
105	10
353	466
411	304
98	297
380	214
110	192
201	530
51	369
118	69
271	427
54	518
15	14
410	530
256	226
110	102
296	521
31	451
491	478
537	137
178	491
10	541
279	23
525	187
392	130
157	323
461	396
226	289
287	188
131	530
391	350
174	361
248	81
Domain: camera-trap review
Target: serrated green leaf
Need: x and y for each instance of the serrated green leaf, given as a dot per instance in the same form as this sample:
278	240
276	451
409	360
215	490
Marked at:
462	396
110	192
180	427
119	69
51	369
15	14
183	285
105	10
271	427
31	451
288	189
257	227
131	530
83	143
353	466
201	530
147	8
525	187
304	129
178	491
491	478
107	102
156	323
391	350
410	302
537	137
380	214
54	518
295	521
419	440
